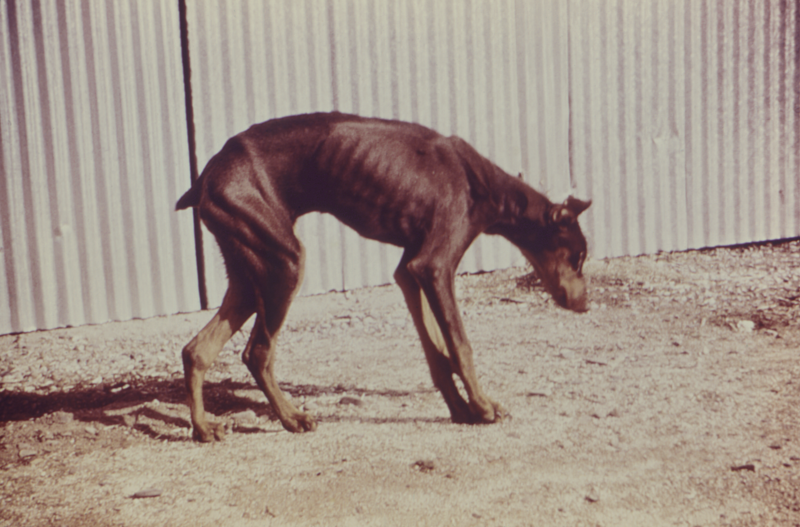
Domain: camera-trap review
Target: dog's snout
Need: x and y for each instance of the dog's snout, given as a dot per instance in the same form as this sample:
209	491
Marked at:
579	305
560	296
574	295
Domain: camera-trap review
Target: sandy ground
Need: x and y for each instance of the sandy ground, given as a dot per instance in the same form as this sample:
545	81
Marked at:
673	401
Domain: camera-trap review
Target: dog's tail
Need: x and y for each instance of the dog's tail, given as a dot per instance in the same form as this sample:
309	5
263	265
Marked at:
191	198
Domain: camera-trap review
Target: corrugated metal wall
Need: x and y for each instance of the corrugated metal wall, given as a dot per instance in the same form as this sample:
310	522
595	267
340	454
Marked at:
679	118
92	159
685	121
492	72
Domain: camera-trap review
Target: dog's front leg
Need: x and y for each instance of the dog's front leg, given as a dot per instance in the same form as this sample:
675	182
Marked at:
433	344
437	284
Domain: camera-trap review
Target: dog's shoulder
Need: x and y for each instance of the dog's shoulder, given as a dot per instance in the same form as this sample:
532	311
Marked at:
480	171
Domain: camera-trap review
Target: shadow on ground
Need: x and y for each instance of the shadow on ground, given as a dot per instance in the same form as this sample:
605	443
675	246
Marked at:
219	397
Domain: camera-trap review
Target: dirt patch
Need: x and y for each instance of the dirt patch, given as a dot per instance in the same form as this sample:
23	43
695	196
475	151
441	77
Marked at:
674	401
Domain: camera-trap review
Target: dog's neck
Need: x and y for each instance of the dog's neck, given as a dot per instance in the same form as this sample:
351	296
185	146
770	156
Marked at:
519	208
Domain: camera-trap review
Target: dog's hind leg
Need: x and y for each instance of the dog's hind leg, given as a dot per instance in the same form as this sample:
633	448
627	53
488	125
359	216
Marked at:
432	343
276	289
199	354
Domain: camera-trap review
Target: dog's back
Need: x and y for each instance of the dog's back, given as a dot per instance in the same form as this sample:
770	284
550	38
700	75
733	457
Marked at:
293	137
383	178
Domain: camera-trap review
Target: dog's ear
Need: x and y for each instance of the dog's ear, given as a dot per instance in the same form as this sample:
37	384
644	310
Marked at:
576	206
567	213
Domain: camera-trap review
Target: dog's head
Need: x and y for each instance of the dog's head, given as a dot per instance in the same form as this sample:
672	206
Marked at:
558	253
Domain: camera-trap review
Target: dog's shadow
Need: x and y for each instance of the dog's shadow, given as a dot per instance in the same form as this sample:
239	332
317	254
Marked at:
158	408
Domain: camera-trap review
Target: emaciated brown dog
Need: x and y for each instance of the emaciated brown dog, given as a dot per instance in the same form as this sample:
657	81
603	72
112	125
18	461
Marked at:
391	181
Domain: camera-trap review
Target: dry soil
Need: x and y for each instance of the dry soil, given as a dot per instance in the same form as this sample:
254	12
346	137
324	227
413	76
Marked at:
673	401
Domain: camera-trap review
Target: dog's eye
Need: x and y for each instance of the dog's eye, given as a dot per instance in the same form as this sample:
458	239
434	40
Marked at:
578	263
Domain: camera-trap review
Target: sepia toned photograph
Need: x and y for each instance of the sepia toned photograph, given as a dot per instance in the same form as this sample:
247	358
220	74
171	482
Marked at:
400	263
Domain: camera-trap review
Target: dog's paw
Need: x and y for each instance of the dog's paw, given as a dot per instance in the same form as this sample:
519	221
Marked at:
500	413
490	412
209	433
299	422
464	415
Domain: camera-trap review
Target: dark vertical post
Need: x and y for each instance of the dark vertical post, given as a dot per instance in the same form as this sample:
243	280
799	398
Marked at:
187	90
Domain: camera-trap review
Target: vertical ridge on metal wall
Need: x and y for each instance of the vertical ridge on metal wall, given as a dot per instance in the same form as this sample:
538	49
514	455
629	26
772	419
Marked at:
90	118
684	122
677	117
